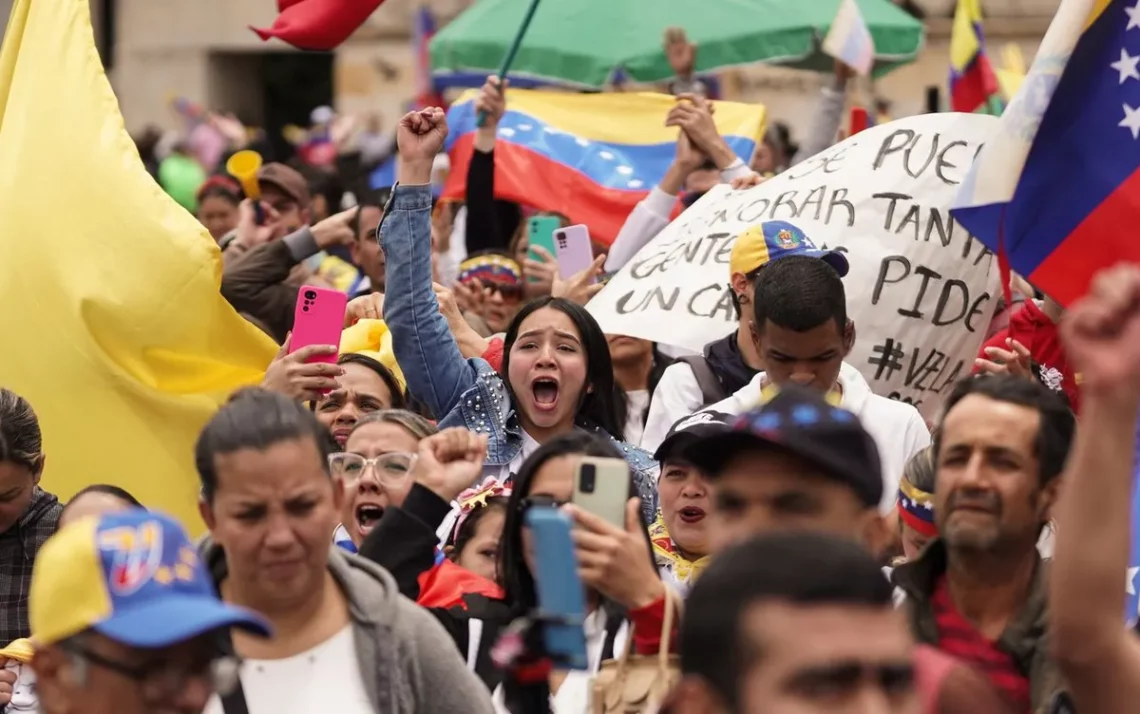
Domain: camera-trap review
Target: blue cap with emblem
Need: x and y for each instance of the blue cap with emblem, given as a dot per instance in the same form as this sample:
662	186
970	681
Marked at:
799	421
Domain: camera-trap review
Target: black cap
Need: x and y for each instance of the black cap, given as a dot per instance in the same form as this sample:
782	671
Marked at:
799	421
688	431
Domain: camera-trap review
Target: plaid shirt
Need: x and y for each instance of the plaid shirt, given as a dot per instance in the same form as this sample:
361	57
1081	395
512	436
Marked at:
18	547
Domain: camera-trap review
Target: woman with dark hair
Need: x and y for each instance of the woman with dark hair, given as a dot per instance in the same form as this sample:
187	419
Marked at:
556	375
95	500
616	565
638	366
218	199
363	386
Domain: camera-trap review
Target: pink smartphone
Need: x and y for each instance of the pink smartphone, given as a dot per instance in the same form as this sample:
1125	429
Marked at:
573	250
318	320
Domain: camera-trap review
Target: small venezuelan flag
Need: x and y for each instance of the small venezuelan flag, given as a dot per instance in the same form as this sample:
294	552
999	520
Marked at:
1058	187
589	157
973	84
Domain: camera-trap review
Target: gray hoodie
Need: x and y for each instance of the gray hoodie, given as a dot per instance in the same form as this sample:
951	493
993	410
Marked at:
408	662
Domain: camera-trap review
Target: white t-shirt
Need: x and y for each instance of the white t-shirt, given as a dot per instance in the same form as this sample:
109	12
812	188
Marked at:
896	427
678	395
638	400
326	678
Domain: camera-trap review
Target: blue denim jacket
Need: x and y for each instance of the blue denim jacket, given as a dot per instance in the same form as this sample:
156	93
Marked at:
460	392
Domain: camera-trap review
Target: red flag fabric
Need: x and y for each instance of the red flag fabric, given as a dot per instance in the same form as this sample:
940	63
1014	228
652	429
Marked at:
318	24
445	585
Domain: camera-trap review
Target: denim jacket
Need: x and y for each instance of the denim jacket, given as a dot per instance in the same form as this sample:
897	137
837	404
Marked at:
460	392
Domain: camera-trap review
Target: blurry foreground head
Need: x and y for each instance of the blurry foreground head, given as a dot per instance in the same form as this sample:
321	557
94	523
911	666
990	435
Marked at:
794	622
269	499
126	620
798	463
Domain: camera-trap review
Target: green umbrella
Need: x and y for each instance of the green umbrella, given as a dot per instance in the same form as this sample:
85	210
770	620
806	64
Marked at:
588	42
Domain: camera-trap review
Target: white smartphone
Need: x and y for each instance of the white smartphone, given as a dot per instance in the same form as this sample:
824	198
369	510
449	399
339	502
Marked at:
601	487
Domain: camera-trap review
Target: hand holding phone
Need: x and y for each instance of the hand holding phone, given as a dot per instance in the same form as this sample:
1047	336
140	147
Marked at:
601	487
318	320
574	251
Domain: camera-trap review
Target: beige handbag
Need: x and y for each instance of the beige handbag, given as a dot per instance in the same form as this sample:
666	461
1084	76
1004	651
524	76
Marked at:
639	684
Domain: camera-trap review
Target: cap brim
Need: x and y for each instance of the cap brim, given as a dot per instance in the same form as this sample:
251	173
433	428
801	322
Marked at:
835	259
177	618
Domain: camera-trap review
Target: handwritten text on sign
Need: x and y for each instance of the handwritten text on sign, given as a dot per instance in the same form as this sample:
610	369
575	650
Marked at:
921	291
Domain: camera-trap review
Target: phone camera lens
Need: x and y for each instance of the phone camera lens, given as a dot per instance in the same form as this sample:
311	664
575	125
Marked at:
310	294
305	308
588	478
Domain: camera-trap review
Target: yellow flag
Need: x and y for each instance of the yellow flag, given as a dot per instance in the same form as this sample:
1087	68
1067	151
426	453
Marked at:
111	320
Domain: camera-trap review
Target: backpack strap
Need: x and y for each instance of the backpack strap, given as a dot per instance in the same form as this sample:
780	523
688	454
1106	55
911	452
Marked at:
712	391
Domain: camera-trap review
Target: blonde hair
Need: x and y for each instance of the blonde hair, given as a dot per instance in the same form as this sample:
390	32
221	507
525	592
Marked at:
410	422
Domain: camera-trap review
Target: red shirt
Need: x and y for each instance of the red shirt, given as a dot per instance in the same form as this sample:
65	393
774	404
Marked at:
1033	328
958	637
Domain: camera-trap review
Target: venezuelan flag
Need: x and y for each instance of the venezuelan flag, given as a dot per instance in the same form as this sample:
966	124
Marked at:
114	327
972	79
589	157
1058	187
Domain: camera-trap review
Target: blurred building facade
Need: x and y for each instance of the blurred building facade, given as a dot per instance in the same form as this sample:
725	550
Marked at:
204	51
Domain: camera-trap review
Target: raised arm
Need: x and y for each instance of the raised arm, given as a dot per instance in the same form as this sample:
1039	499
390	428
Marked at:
1099	658
425	349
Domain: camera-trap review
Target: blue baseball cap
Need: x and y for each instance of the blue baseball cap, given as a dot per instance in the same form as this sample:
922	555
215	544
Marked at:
772	240
132	576
800	421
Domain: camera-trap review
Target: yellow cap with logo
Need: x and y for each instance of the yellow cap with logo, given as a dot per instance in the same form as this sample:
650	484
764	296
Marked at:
758	245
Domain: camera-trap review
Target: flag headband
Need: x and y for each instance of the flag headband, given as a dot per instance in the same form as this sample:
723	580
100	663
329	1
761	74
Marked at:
491	268
916	509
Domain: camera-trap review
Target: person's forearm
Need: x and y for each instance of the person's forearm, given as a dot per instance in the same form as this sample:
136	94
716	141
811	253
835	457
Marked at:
722	155
1093	529
674	180
485	139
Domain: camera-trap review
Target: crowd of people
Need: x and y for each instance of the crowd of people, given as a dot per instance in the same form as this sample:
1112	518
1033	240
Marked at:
791	542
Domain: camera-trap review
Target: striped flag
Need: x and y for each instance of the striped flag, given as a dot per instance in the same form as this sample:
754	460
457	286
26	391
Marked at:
423	29
849	39
973	84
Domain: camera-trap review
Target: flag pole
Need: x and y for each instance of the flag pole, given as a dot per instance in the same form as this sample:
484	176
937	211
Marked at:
481	119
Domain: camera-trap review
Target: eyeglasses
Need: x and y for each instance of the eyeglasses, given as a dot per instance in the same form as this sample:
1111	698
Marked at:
391	469
166	680
507	290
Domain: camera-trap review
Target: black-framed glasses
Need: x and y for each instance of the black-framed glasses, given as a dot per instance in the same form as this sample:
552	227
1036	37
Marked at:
163	680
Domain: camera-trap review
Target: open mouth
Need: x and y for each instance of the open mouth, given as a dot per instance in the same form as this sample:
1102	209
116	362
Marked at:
545	390
691	514
367	516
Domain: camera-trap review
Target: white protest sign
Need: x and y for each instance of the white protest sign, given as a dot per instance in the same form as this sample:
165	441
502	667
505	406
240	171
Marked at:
921	290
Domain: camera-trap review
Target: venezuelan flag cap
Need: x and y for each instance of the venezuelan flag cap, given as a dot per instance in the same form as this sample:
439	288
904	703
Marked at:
132	576
772	240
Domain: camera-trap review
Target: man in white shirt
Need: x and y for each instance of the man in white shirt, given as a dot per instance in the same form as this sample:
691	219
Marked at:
731	362
802	333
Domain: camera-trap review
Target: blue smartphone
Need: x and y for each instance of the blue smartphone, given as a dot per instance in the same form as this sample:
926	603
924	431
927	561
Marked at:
560	595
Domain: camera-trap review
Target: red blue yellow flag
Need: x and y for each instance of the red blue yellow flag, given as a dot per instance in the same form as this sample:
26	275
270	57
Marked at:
589	157
1058	187
973	84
